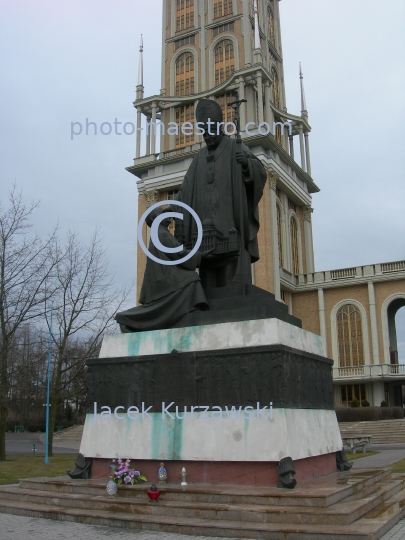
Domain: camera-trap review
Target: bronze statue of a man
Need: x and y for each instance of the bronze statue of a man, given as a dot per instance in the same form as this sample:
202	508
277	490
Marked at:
168	292
224	185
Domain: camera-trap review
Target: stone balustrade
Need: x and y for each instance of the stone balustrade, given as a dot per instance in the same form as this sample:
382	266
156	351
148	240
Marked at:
373	371
363	273
288	276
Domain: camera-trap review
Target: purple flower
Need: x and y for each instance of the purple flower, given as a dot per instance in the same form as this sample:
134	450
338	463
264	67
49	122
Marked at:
137	473
127	479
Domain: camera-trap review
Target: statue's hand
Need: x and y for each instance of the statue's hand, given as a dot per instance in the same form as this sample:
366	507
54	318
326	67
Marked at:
242	160
205	254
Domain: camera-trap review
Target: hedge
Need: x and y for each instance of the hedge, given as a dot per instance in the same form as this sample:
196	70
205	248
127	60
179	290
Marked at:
361	414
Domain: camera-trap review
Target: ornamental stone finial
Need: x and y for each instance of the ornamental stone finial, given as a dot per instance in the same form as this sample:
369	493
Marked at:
272	179
306	213
152	197
304	112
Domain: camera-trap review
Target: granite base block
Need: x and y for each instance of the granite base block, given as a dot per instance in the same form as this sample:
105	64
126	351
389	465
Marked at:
225	472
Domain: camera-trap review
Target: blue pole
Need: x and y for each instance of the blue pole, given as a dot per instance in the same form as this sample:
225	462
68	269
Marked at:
48	386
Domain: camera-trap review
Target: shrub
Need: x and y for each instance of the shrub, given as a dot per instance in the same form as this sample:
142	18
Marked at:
365	403
384	404
357	414
355	403
363	414
33	428
398	413
386	413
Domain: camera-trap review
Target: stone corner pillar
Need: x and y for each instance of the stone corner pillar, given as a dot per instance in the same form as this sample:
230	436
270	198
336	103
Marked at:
309	246
272	180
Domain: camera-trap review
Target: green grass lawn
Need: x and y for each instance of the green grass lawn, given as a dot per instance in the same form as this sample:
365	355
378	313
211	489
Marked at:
358	455
398	467
28	466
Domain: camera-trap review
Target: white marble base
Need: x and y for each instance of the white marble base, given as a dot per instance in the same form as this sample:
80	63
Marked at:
212	337
298	433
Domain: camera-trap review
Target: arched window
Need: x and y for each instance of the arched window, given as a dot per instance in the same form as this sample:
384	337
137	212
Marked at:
227	111
270	27
395	329
279	237
184	114
350	336
185	74
224	61
294	246
222	8
275	89
184	15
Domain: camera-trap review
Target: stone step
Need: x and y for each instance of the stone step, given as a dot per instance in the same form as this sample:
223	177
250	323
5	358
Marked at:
371	527
342	513
321	492
387	431
382	431
73	438
73	433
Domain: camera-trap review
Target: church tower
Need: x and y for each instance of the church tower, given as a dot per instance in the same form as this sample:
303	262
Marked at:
212	49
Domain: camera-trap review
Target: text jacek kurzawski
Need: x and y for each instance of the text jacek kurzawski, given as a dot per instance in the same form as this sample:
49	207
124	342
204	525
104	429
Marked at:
200	412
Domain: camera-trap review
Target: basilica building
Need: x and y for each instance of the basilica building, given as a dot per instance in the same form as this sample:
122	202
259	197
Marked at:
214	49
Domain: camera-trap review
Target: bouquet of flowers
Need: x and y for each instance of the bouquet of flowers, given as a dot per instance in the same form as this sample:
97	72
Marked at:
127	475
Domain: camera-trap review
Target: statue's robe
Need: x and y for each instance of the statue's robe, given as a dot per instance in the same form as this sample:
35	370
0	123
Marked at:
168	292
218	190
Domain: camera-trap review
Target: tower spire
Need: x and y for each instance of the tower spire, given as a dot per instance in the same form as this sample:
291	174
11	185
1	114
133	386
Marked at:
304	111
139	87
256	17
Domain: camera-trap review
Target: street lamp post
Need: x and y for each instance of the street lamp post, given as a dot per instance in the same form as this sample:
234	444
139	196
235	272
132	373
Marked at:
48	387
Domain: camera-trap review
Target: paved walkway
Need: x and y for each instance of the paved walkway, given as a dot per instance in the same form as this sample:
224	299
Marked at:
21	443
383	459
28	528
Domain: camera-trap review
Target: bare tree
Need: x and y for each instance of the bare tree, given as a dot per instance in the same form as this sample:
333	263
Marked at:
26	267
85	305
27	377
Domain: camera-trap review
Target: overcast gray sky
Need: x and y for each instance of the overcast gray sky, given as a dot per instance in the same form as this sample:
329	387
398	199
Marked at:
69	60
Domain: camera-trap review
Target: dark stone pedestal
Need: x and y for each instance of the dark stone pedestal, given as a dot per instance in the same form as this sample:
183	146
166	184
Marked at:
242	377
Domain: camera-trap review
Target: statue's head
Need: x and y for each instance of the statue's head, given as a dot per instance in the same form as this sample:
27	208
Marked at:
209	113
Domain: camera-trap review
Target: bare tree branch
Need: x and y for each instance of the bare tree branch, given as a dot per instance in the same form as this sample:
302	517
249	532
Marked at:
27	268
85	304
